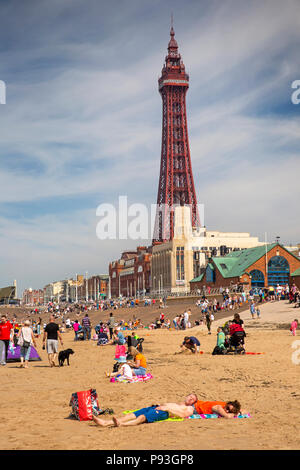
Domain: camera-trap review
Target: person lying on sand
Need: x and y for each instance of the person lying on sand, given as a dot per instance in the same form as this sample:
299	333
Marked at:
228	409
152	413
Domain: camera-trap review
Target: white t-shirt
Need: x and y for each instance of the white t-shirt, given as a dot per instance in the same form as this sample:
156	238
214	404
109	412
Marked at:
126	371
25	335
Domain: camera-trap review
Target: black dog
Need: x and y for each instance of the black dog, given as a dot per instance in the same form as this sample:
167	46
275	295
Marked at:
63	355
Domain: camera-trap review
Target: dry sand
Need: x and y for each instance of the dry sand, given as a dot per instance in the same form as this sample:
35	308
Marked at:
35	402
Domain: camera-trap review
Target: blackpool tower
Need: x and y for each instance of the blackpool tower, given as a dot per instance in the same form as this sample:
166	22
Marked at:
176	183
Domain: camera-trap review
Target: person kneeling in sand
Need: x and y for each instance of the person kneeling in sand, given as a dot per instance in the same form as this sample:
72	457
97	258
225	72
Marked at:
152	413
191	343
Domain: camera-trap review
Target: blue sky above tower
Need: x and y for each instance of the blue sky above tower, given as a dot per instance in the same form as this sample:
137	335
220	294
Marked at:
82	122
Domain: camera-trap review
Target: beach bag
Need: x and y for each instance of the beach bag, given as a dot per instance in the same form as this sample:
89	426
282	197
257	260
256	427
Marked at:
218	351
84	405
120	351
26	344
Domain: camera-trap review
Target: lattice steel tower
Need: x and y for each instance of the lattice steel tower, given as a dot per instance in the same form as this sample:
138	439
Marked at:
176	183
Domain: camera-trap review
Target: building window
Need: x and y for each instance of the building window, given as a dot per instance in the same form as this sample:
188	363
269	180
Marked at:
180	263
210	274
278	271
257	278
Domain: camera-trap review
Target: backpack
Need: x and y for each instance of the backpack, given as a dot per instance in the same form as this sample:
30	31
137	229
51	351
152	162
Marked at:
84	405
218	351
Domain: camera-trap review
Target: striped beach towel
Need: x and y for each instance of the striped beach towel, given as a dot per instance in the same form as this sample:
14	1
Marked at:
137	378
200	416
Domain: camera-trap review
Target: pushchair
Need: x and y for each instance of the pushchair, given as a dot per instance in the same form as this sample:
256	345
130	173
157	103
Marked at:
236	343
80	335
137	343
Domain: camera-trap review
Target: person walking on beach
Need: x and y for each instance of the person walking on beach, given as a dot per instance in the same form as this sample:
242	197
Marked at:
51	335
294	326
208	322
111	324
252	309
6	333
186	317
86	325
25	341
76	329
38	327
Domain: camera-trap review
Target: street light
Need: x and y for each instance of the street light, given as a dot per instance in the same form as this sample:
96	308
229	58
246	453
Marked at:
86	287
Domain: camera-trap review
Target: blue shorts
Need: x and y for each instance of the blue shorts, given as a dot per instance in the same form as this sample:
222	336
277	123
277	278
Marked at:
152	414
140	371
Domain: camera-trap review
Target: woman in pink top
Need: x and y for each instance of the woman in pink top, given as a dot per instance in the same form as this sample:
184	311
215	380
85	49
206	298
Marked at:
294	326
76	328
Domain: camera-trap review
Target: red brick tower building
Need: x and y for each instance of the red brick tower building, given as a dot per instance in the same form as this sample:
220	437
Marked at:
176	184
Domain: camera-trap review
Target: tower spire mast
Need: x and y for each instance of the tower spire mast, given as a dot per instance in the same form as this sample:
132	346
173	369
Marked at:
176	183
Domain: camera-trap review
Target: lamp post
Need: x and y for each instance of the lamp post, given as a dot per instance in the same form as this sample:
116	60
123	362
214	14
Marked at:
67	291
86	287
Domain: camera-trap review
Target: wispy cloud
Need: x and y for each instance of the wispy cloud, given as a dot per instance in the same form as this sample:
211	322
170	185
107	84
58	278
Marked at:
82	123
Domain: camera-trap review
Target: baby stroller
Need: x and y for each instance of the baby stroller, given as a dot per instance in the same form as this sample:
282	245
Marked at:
236	343
137	343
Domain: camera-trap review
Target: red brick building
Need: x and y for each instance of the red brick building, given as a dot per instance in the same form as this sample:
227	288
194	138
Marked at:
130	276
295	278
33	297
256	267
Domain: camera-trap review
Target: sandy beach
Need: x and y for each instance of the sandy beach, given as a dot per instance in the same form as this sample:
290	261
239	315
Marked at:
267	385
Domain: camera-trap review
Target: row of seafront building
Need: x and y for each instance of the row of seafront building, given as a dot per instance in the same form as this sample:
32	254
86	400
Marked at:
171	267
80	289
186	263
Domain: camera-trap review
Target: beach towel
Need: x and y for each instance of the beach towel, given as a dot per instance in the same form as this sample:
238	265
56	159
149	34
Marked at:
137	378
254	353
196	416
214	415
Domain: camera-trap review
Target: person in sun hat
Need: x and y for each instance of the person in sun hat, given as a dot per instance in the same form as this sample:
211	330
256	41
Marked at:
124	371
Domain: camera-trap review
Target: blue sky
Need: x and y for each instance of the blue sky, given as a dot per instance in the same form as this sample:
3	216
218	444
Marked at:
82	122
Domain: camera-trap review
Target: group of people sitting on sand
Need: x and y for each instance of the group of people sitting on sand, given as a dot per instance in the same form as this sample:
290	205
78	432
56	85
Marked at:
132	364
